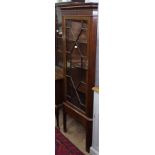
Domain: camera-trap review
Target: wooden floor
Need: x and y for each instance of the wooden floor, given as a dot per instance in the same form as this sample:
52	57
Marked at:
75	133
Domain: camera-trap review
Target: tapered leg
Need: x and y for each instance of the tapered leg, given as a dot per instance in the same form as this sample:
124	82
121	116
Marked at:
88	135
64	121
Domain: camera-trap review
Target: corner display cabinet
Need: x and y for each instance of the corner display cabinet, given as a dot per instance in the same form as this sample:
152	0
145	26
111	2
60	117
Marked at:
79	32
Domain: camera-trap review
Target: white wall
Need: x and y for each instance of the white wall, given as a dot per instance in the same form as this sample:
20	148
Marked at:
95	137
27	77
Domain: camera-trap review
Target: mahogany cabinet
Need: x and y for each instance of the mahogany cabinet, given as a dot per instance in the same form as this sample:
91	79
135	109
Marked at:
78	47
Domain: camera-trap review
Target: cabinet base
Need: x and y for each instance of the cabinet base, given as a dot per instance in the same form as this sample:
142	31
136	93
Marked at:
86	121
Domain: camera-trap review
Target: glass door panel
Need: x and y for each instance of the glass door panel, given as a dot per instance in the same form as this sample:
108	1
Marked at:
76	61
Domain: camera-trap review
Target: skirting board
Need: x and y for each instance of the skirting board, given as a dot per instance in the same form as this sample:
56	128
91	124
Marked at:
93	151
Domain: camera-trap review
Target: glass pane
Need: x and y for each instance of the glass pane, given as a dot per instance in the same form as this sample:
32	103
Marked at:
82	48
73	96
70	35
76	61
76	58
83	36
69	45
76	28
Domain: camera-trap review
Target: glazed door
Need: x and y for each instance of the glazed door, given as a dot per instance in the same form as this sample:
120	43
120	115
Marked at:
76	60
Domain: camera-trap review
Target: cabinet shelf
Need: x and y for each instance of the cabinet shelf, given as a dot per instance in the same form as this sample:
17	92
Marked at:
85	29
79	67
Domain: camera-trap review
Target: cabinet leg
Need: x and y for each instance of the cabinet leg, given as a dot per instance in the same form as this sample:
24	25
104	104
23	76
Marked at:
57	117
88	136
64	121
